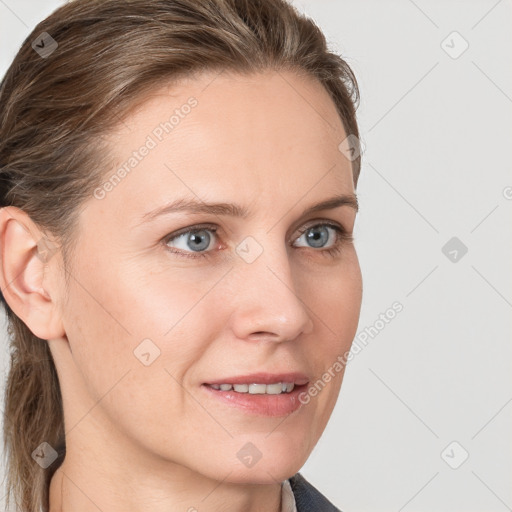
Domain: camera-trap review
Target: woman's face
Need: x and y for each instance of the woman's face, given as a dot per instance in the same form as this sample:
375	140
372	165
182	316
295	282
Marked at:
155	312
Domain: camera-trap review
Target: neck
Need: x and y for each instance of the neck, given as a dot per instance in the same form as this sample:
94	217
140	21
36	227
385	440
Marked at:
85	489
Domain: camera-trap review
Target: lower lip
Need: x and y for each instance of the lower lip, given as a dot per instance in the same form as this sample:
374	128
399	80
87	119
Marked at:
260	404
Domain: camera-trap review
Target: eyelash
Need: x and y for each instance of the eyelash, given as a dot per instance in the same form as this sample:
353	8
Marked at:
342	237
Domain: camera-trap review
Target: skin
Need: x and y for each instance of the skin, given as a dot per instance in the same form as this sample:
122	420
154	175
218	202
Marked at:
148	437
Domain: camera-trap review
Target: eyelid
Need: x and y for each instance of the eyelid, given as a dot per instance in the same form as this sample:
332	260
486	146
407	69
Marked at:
215	227
195	227
322	222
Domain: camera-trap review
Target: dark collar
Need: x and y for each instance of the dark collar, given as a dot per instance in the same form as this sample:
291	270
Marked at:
308	498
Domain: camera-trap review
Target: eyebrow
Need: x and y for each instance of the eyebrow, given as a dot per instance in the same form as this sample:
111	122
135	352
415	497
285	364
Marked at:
235	210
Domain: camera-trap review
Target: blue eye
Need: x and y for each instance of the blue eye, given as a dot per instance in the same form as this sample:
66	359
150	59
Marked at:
318	235
194	241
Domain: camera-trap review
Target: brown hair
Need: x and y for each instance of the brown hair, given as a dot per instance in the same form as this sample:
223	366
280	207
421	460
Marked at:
55	109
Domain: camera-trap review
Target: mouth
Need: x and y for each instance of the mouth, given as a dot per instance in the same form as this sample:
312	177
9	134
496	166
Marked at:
260	394
277	388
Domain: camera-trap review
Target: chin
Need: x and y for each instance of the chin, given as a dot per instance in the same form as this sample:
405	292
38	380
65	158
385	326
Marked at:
262	474
270	467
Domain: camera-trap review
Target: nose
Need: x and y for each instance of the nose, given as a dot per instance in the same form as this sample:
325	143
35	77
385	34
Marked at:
266	303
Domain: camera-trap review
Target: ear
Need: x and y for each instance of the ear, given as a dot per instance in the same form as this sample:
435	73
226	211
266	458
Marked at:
26	255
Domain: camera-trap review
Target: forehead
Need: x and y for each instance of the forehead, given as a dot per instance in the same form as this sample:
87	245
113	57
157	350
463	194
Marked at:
269	131
223	92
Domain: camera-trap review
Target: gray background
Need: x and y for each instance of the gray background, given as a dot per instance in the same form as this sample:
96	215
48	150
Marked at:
437	131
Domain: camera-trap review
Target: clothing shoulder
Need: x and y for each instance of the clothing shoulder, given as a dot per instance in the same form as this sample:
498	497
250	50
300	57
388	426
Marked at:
308	498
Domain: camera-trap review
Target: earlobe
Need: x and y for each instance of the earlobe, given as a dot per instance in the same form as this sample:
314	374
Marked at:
24	257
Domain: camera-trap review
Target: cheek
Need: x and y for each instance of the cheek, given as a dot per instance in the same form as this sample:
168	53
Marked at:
336	307
335	300
114	329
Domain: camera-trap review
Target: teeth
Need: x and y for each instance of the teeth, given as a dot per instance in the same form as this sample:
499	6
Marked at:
257	389
274	389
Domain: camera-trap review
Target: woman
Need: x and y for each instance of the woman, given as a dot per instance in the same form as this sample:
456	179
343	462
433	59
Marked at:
177	263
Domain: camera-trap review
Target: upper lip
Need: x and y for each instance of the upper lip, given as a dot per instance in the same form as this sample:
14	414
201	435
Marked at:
297	378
